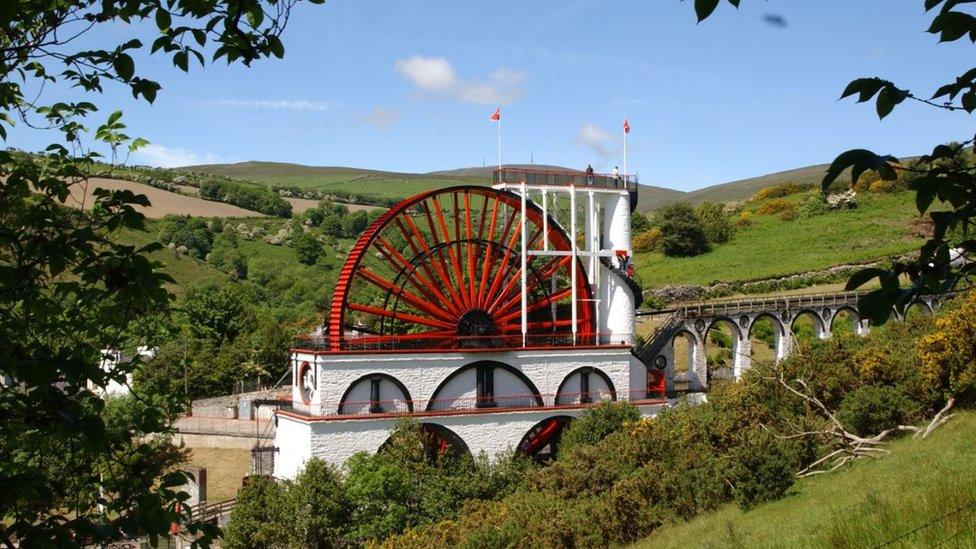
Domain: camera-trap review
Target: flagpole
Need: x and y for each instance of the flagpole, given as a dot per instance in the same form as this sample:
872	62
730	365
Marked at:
499	143
625	149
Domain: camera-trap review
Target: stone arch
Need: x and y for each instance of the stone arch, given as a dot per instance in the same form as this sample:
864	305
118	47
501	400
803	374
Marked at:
855	319
684	368
541	442
369	393
780	333
438	442
471	386
735	364
571	390
819	326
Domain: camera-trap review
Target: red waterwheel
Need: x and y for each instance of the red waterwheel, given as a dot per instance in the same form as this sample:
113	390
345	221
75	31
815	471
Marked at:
443	270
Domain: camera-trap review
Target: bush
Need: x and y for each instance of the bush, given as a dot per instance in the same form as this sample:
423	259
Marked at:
639	223
192	233
318	505
763	469
259	518
682	234
948	355
647	241
871	409
716	225
307	248
249	197
813	206
733	207
788	215
843	201
775	206
745	219
594	424
785	188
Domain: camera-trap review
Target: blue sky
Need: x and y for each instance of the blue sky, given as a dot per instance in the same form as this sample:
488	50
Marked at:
409	85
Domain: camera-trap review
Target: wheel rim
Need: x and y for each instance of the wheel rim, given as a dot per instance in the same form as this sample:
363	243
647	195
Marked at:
442	270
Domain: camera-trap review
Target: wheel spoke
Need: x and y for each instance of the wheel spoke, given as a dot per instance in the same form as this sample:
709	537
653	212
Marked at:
538	304
405	317
418	302
421	284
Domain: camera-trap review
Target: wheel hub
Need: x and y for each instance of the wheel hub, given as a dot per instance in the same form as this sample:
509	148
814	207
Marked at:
476	322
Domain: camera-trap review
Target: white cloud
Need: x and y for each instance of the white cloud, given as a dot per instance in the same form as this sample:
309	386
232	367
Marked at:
436	75
165	157
381	118
596	138
271	104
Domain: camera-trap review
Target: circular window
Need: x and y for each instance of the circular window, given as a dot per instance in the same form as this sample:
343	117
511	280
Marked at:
306	382
700	325
743	321
660	362
826	313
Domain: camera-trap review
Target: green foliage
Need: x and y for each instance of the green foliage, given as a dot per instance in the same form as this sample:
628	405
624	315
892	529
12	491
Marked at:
308	248
776	206
596	423
716	225
259	516
763	469
639	223
682	234
812	206
228	257
871	409
249	197
193	233
215	312
318	509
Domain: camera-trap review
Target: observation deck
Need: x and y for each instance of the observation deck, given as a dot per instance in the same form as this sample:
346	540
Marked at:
533	178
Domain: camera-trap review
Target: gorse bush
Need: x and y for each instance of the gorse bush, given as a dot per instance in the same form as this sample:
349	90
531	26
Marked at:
647	241
762	469
716	225
871	409
682	233
785	188
948	355
776	206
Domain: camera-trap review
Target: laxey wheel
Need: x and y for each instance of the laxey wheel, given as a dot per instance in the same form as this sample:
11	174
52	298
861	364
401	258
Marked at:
443	270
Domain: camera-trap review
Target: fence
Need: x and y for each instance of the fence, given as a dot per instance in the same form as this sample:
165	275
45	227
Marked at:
562	178
424	342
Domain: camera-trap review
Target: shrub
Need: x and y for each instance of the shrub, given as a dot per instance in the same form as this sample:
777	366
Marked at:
249	197
762	469
785	188
308	248
871	409
639	223
682	234
594	424
788	215
733	207
948	355
716	225
775	206
318	506
259	518
647	241
813	206
745	219
193	233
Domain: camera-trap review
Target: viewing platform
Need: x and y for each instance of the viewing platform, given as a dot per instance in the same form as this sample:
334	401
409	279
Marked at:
503	177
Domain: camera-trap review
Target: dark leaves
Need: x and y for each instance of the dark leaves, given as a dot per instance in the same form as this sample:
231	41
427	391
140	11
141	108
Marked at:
866	88
859	161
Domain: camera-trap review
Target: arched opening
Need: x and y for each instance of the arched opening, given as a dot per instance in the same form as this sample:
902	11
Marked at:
438	442
485	384
585	385
541	442
807	327
683	350
765	337
845	323
375	394
722	349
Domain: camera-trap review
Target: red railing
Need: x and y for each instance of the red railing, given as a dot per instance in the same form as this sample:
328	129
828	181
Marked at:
424	342
358	409
563	178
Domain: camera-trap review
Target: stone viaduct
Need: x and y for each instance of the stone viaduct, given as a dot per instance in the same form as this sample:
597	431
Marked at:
693	323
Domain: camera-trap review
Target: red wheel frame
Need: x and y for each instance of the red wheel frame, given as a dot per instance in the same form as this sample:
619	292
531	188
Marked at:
442	270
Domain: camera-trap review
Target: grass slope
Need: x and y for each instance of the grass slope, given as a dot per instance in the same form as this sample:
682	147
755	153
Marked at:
770	246
921	495
375	183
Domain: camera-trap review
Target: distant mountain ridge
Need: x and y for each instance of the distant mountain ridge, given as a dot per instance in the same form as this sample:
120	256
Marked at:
402	184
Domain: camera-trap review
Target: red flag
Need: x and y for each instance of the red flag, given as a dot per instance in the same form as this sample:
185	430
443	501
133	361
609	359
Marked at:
626	126
496	116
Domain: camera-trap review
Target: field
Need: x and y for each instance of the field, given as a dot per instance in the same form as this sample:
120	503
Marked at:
225	469
878	228
162	202
922	495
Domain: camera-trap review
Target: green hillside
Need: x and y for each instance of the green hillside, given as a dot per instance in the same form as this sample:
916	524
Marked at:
371	183
922	495
769	246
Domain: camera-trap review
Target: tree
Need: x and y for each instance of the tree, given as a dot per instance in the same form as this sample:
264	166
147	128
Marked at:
682	233
67	290
215	312
308	248
715	224
260	517
596	423
942	180
318	506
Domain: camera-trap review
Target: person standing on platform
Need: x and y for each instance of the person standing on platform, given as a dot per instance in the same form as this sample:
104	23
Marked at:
589	175
615	175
